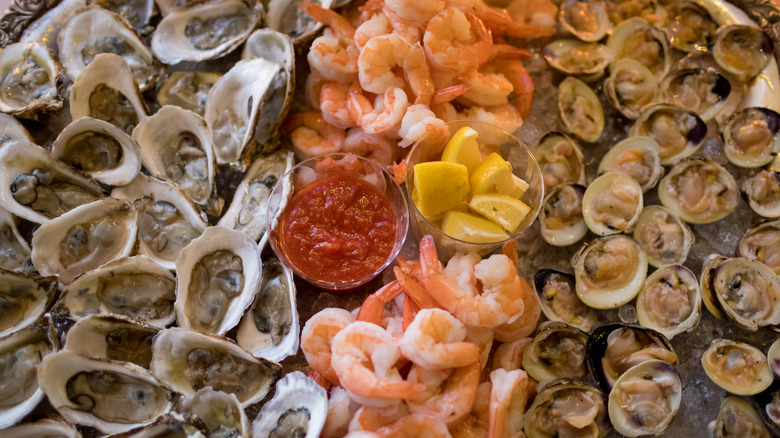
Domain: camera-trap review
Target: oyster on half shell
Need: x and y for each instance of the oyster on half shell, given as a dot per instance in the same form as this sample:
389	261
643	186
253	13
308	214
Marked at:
221	412
187	89
112	337
14	250
28	80
23	300
299	407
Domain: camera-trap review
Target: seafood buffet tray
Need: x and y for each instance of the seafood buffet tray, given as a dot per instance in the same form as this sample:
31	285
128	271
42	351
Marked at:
701	398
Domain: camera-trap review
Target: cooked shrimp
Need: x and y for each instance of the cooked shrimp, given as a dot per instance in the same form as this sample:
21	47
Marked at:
409	31
505	116
450	392
500	23
374	305
341	409
410	279
418	121
509	356
311	135
371	418
379	62
410	311
364	357
316	338
523	325
414	426
533	12
418	75
313	88
416	11
334	54
378	147
508	399
436	339
486	87
377	25
387	112
334	99
476	424
457	41
522	84
483	338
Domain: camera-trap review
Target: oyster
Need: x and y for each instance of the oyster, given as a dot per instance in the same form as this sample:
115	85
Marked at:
737	419
645	399
36	187
28	78
580	110
187	89
248	209
99	149
609	271
14	250
637	39
189	361
299	408
284	16
587	20
112	337
135	287
11	129
567	407
167	219
46	427
110	396
96	30
106	90
221	412
176	146
670	301
630	87
737	367
557	351
46	28
204	31
170	425
612	204
573	57
702	90
699	191
561	218
217	276
637	157
741	50
20	355
23	300
762	243
663	236
138	13
85	238
678	132
269	328
751	137
559	300
690	26
763	193
560	160
233	109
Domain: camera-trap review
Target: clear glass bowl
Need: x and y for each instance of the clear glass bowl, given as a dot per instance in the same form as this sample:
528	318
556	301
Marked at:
327	166
491	139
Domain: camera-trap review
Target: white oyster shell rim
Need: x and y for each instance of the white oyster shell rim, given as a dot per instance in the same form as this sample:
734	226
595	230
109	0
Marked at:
11	59
293	391
10	415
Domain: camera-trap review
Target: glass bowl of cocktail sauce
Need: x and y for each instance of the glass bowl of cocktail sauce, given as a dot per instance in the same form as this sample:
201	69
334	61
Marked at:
337	220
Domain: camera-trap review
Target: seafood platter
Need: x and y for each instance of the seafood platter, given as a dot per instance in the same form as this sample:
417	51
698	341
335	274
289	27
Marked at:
164	165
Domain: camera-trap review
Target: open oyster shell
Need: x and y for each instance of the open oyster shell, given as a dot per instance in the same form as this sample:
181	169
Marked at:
670	301
169	425
612	204
737	367
557	351
637	157
46	427
609	271
561	218
284	16
221	412
736	418
663	235
637	39
699	191
187	89
742	50
28	77
138	13
580	110
299	405
11	129
678	132
556	291
24	300
751	137
566	404
112	337
763	193
762	243
14	250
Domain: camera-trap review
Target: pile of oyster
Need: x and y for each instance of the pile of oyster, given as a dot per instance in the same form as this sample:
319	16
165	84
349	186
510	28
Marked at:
129	310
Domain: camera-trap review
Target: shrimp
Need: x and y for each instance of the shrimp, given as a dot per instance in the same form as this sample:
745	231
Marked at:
483	338
313	88
500	23
508	399
416	11
378	62
522	84
316	338
483	293
371	418
457	41
364	357
374	305
378	147
387	112
505	116
418	75
334	54
509	356
486	87
435	340
334	98
341	409
418	121
476	424
311	135
523	325
450	392
533	12
377	25
409	278
414	426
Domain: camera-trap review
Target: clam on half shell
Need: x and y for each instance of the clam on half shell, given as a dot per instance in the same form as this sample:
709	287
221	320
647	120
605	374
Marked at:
637	157
550	414
762	243
670	301
737	367
702	90
637	39
736	418
612	204
751	137
28	78
663	235
742	50
580	110
763	193
560	159
609	271
573	57
699	191
587	20
678	132
557	351
630	87
561	218
559	300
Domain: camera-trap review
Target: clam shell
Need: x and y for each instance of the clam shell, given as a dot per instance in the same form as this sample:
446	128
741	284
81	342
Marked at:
656	232
554	230
574	57
557	351
755	377
751	137
721	204
637	157
763	193
548	284
652	310
630	87
570	18
572	92
743	289
625	37
604	207
760	243
297	397
707	94
631	273
742	50
556	149
687	16
564	390
733	416
678	132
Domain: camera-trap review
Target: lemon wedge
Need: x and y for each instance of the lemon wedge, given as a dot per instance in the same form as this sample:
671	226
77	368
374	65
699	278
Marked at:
514	187
491	173
439	186
501	209
472	228
463	148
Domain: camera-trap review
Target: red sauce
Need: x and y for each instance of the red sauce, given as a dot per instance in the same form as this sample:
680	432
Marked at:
338	229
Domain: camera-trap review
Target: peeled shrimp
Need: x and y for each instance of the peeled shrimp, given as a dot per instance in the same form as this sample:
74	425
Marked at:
457	41
436	339
377	25
334	54
476	424
522	84
483	338
378	147
341	409
418	121
508	399
386	112
450	392
486	87
316	338
364	357
523	325
371	418
414	426
379	61
509	356
334	99
416	11
312	135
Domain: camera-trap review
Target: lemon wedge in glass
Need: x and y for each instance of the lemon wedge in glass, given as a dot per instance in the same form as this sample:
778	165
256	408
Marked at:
439	186
472	228
463	148
504	210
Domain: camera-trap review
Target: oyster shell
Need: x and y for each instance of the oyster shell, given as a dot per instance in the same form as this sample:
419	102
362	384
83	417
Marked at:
170	425
556	291
204	31
609	271
36	187
573	57
106	90
561	218
702	90
14	250
637	157
23	299
284	16
47	27
299	408
188	361
217	276
99	149
560	160
85	238
187	89
167	219
737	367
221	412
567	405
741	50
612	204
678	132
11	129
138	13
580	110
751	137
637	39
557	351
736	418
663	236
135	287
108	395
762	243
28	78
699	191
112	337
670	301
587	20
690	26
630	87
46	427
96	30
763	193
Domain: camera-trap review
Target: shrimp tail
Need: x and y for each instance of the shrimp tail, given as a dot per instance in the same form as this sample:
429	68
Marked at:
414	290
429	258
410	311
320	379
447	94
509	249
374	305
506	51
399	171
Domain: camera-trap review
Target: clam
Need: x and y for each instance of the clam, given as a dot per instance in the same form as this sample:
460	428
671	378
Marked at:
189	361
699	191
768	405
751	137
14	250
561	218
614	349
11	129
650	10
557	351
187	90
299	407
112	337
612	204
637	157
28	77
664	237
630	87
773	357
587	20
645	399
560	160
690	26
85	238
637	39
763	193
762	243
46	427
737	419
24	299
737	367
670	301
741	50
609	271
564	407
284	16
701	90
36	187
574	57
580	110
110	396
221	412
137	13
135	287
678	132
559	299
99	149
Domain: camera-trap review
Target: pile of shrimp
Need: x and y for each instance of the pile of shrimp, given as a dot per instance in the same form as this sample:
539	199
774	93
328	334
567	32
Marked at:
415	359
389	71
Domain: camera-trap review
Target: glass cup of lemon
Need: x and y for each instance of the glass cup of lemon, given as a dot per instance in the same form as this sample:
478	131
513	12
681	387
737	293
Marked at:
472	189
